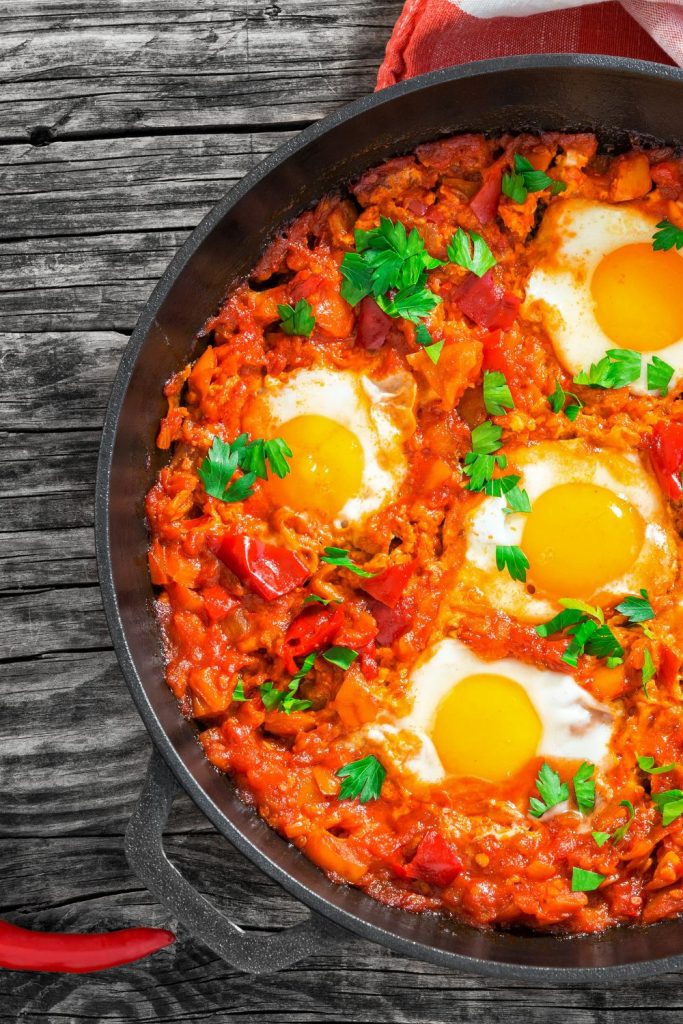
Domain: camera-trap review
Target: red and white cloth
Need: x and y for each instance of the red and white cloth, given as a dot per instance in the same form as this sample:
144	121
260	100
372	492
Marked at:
432	34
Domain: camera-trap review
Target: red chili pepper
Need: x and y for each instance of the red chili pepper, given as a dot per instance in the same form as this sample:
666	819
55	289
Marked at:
24	950
266	569
313	629
485	301
435	861
373	325
665	446
388	586
484	203
218	603
669	666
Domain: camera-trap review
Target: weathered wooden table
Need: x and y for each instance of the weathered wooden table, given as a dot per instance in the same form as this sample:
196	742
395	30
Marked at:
121	122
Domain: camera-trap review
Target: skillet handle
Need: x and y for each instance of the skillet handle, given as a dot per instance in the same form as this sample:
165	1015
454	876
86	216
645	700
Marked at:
255	954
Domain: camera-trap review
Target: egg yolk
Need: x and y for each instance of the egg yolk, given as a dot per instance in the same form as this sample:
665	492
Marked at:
638	295
578	537
486	726
326	467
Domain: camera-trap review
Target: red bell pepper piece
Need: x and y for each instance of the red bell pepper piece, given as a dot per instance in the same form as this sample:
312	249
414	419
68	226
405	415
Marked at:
486	302
391	622
435	861
665	446
368	661
268	570
25	950
388	586
484	203
313	629
669	666
218	603
373	325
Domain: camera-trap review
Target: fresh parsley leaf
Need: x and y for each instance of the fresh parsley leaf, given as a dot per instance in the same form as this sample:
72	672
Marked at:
297	319
486	438
292	703
431	347
306	666
588	632
512	558
647	764
499	485
252	457
558	398
619	367
659	375
559	622
287	700
636	609
217	470
497	395
551	789
586	881
667	236
411	303
362	779
342	657
525	178
603	644
270	695
620	832
238	693
469	250
311	598
649	671
580	606
584	787
357	276
517	501
670	803
600	837
340	557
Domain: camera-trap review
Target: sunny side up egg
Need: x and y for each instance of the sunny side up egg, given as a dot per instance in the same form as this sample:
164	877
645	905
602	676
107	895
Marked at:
598	284
598	530
346	432
489	719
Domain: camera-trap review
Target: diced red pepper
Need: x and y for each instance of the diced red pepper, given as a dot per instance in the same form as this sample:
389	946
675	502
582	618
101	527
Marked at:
368	661
669	666
303	287
373	325
484	203
665	446
268	570
495	356
313	629
391	622
388	586
218	603
435	861
486	302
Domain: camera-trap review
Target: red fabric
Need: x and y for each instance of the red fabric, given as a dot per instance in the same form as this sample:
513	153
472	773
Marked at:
432	34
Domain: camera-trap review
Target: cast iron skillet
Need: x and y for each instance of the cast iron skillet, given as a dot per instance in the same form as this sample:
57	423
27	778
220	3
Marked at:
614	97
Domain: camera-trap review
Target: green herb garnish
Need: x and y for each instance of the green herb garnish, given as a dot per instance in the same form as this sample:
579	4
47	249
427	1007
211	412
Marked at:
647	764
297	319
362	779
589	634
649	671
584	787
600	837
432	348
497	395
238	693
512	558
222	459
517	501
480	463
342	657
586	881
619	367
636	609
620	832
314	598
667	236
659	376
525	178
340	557
552	791
469	250
670	803
558	398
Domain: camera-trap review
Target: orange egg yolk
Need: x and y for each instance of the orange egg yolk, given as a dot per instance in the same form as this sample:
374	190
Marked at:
578	537
638	295
487	727
326	467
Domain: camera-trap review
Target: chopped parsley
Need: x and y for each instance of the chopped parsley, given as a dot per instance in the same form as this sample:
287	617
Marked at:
512	558
342	657
600	837
525	178
480	463
297	319
620	832
286	700
584	787
314	598
649	671
557	400
340	557
659	376
222	459
586	881
392	266
647	764
551	789
667	236
617	368
469	250
432	348
670	803
497	395
362	779
253	456
517	501
589	634
238	693
636	609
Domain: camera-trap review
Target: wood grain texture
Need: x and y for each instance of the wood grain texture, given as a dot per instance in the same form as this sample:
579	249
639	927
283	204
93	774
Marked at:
121	122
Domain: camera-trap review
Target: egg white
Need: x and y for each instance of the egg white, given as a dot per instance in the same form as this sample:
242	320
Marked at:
378	412
574	725
543	466
573	238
